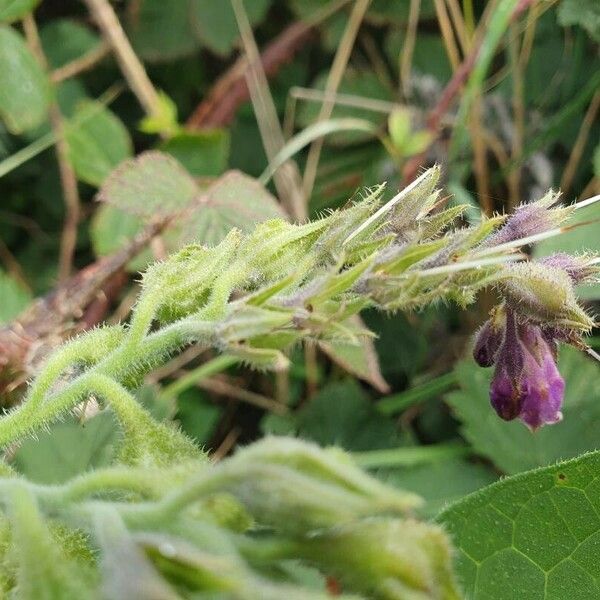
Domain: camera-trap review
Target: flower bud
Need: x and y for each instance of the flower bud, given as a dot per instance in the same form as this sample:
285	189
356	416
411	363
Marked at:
489	339
529	219
544	294
578	268
385	558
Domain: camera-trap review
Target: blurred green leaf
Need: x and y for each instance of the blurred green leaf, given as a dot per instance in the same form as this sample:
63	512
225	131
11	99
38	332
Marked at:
197	417
534	535
215	24
341	415
98	143
359	83
11	10
510	445
161	31
112	228
202	153
65	40
69	449
585	13
399	127
151	184
24	87
576	241
440	482
14	298
385	12
331	30
234	200
163	121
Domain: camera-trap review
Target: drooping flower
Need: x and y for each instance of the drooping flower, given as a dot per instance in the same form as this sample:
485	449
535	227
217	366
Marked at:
489	339
526	383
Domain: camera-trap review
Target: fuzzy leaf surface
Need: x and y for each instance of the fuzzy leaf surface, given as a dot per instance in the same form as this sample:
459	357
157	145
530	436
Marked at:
534	536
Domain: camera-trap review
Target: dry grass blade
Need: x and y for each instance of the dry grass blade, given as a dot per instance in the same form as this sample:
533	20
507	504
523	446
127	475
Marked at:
288	179
334	79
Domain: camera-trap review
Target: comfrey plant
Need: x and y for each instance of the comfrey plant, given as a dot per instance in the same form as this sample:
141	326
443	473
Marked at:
163	522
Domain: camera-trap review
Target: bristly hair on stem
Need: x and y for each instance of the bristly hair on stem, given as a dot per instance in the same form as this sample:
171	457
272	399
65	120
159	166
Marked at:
164	520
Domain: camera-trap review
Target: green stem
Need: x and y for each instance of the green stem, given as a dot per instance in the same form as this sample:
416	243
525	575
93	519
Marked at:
429	389
409	456
212	367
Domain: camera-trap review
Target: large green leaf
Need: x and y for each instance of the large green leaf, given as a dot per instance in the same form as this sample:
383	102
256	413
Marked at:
584	238
341	415
68	449
112	228
11	10
151	184
234	200
535	536
24	87
510	445
65	40
98	141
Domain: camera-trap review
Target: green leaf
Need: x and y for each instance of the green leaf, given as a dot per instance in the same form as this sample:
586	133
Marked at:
535	535
202	153
585	13
341	415
68	449
14	297
197	417
234	200
161	31
11	10
399	127
65	40
440	482
510	445
112	228
359	359
576	241
215	24
151	184
24	87
98	144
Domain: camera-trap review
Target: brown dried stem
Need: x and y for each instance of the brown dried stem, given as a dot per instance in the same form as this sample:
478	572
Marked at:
132	68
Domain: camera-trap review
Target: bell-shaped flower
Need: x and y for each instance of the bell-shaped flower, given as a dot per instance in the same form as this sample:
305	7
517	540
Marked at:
526	384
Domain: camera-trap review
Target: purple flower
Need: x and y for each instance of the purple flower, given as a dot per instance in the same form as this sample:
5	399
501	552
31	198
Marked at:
578	268
529	219
526	382
488	340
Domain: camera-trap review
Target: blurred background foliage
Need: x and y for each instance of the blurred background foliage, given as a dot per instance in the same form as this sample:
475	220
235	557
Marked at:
503	94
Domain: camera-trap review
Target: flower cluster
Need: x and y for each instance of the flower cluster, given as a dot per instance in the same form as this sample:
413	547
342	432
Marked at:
538	311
